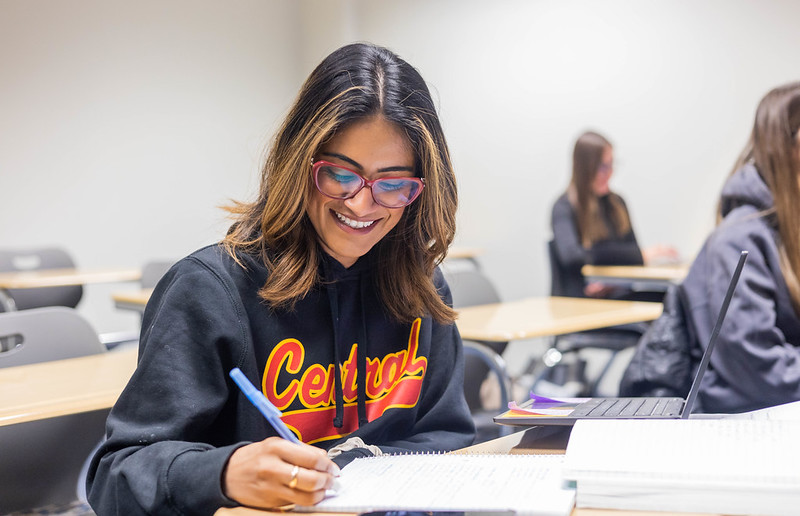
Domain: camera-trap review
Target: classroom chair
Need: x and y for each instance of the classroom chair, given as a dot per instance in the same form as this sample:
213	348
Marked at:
45	258
482	360
576	364
20	260
41	461
153	271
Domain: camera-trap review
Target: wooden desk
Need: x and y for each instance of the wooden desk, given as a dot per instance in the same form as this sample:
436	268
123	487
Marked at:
43	278
132	300
501	322
62	387
628	274
548	316
463	253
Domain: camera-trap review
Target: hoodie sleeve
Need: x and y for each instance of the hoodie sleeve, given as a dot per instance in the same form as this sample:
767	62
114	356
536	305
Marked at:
444	422
160	457
754	365
571	253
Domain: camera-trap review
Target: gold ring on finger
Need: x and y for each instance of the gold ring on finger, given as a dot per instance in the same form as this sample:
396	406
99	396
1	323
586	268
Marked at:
293	482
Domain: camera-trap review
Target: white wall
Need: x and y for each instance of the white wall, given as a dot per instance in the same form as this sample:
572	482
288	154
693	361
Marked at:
673	83
124	125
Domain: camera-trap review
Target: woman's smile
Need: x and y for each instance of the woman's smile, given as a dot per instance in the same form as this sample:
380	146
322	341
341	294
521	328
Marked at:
353	224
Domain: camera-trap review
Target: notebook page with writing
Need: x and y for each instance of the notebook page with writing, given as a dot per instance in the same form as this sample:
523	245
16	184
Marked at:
526	484
728	466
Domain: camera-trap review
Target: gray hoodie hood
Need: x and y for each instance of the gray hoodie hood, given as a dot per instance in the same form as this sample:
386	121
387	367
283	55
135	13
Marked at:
746	186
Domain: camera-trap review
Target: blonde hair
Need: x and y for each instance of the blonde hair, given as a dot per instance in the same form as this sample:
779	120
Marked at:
353	83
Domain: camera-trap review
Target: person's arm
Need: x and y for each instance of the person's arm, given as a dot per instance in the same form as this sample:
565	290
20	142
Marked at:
444	421
661	254
753	358
570	252
256	474
178	422
158	458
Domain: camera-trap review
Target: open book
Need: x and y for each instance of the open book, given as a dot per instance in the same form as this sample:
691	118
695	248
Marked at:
526	484
729	466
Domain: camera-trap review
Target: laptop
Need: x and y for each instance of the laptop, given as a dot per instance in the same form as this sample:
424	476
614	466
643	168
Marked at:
557	412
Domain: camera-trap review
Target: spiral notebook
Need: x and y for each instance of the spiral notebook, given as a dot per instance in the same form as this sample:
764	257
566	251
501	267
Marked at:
524	484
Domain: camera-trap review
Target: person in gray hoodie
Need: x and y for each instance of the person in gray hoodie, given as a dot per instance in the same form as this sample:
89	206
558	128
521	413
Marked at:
756	362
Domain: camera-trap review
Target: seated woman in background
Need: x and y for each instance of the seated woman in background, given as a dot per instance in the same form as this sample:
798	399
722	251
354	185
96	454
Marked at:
756	362
591	224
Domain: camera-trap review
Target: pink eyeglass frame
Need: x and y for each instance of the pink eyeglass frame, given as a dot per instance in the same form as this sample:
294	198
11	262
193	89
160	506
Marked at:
316	165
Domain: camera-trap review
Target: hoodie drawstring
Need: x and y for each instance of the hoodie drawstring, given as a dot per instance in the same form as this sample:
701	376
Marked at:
333	300
361	358
361	353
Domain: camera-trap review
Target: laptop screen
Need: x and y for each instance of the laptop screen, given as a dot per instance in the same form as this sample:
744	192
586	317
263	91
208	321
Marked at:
701	369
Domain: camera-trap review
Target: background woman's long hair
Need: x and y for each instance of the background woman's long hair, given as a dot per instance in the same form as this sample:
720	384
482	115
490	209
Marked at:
353	83
774	149
586	160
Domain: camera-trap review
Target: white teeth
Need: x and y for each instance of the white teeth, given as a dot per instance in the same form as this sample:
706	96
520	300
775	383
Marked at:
355	224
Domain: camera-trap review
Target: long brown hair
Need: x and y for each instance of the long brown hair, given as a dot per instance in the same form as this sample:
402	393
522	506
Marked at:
774	149
587	157
353	83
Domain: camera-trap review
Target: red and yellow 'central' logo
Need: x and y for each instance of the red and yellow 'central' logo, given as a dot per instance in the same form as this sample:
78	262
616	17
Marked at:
393	381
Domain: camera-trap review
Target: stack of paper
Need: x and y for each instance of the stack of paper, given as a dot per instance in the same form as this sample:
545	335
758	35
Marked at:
729	466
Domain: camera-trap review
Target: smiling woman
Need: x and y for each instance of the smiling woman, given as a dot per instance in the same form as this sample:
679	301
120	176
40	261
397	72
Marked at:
347	217
325	292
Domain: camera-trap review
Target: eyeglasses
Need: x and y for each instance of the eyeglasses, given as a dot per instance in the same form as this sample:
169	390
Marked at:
338	182
605	168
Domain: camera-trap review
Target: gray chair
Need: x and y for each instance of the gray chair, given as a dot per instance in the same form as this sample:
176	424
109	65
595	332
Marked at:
153	271
18	260
477	359
41	461
565	368
482	360
44	334
470	287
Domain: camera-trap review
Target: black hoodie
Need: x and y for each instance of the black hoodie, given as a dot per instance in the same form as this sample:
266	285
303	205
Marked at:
181	417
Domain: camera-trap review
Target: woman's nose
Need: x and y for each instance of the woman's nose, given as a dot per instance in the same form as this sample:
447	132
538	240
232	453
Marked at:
362	202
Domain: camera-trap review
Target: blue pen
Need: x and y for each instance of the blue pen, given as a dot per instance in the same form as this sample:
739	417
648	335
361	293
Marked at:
263	405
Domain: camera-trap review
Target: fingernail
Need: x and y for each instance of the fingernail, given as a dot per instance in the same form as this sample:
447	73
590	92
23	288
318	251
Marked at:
334	470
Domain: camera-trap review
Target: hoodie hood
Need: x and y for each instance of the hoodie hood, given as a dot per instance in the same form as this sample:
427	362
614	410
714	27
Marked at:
745	187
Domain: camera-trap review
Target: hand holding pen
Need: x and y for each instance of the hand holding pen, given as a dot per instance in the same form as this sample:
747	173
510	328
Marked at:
276	471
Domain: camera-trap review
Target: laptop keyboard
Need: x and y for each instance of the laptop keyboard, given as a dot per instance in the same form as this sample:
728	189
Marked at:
630	407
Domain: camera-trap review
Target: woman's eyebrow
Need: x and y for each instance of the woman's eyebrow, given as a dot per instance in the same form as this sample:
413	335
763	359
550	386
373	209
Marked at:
357	165
343	158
